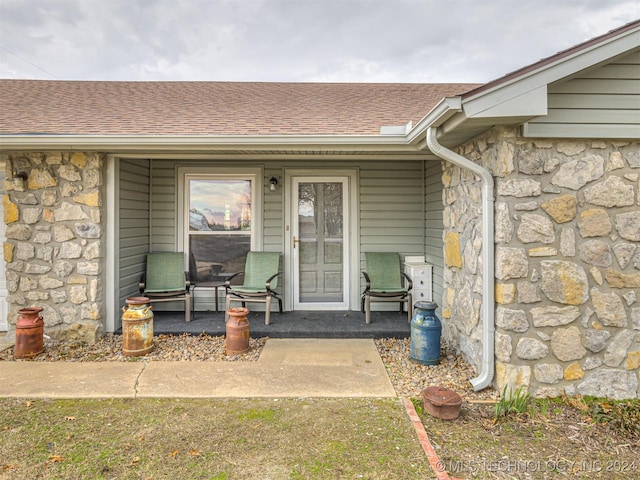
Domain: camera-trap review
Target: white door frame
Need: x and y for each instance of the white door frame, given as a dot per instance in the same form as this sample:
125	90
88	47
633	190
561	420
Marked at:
4	323
351	229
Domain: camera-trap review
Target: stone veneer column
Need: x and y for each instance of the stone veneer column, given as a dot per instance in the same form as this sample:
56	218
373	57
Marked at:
54	250
567	262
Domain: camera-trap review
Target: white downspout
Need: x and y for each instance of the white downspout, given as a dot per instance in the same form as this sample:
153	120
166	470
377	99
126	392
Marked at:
484	379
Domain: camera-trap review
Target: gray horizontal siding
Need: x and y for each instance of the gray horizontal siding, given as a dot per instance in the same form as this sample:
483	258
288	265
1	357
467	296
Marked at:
133	199
391	204
617	71
601	103
597	86
164	204
391	208
273	211
592	116
434	225
593	100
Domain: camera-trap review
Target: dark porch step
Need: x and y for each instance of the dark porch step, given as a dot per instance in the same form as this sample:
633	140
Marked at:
306	324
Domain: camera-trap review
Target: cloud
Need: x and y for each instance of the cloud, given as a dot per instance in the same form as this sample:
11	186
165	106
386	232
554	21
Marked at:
294	40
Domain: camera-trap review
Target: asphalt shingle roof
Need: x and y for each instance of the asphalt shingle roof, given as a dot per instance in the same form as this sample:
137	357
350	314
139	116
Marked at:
213	108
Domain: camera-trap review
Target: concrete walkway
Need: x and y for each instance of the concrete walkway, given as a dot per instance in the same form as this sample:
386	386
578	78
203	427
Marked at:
287	368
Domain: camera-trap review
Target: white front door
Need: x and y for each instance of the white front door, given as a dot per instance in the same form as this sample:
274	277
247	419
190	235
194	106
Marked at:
319	236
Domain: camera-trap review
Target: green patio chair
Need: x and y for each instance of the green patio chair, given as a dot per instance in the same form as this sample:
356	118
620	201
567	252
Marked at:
260	280
384	282
166	280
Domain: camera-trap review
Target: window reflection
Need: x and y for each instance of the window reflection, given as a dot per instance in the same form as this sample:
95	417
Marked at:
212	258
219	227
219	205
320	202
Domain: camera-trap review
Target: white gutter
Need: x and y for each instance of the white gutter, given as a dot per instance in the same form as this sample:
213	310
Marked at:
198	142
484	379
444	110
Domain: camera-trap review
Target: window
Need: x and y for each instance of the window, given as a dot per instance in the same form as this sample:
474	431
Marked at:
219	224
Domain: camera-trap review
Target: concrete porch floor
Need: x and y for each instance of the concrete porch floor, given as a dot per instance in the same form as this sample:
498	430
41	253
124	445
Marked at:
308	324
302	324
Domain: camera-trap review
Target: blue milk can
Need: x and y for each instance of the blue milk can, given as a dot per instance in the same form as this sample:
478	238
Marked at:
425	334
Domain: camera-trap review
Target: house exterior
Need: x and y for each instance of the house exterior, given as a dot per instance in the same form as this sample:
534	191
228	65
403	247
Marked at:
523	193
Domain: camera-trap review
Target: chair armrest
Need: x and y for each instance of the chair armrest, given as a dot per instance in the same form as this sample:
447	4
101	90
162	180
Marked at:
367	282
142	283
268	282
187	280
227	283
408	279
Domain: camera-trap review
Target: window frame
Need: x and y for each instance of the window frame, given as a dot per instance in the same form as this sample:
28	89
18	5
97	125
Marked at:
186	174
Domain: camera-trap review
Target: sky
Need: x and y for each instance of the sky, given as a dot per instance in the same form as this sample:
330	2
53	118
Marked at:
424	41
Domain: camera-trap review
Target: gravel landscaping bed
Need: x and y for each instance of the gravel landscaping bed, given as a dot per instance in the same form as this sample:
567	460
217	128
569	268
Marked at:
184	347
410	378
407	377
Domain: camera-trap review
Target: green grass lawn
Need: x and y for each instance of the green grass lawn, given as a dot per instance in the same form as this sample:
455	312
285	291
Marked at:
209	439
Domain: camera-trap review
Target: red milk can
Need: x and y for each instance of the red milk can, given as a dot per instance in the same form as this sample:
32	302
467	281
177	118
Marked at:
29	333
237	338
137	327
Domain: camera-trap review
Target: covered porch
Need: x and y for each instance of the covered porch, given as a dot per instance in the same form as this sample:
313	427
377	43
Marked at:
364	203
319	186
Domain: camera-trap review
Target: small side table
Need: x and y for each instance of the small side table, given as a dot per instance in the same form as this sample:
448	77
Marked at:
421	273
210	285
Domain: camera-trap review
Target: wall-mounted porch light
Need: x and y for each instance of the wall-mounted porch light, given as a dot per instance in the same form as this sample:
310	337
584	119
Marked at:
273	184
20	180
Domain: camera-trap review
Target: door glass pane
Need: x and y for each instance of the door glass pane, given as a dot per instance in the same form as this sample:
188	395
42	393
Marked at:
320	227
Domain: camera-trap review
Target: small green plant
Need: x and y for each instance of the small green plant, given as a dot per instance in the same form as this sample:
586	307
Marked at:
418	404
620	416
542	408
512	402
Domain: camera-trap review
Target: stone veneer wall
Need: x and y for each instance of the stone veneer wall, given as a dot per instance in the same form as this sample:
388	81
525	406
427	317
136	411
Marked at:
567	262
54	247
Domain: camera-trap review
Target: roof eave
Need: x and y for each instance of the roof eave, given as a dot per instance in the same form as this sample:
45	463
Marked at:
206	142
521	96
481	101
